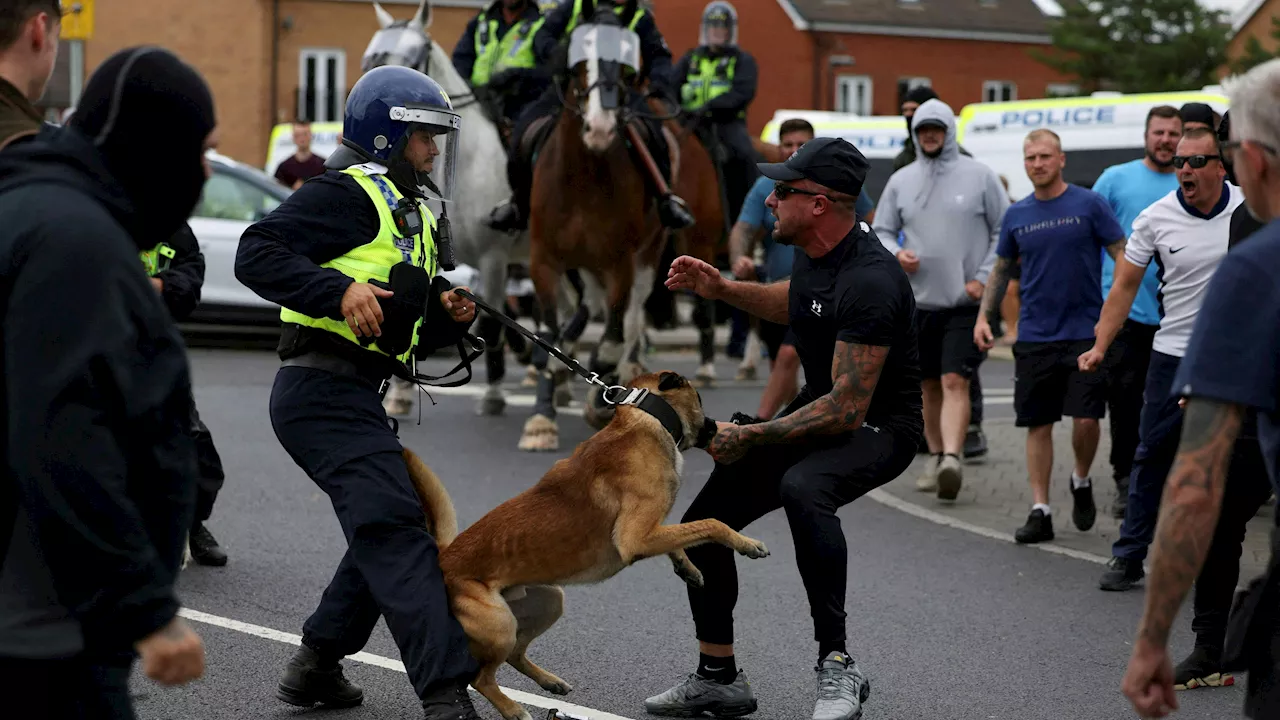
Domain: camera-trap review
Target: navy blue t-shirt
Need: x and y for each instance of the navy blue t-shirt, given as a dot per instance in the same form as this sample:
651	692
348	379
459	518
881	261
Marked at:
1059	242
1234	352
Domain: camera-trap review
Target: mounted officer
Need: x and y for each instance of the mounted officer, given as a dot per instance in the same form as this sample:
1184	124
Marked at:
548	50
495	55
352	258
719	83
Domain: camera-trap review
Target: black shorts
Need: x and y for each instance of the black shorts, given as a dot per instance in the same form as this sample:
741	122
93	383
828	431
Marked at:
774	336
1048	383
946	342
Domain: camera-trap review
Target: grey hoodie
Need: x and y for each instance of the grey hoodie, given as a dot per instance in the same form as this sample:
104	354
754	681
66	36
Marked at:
949	210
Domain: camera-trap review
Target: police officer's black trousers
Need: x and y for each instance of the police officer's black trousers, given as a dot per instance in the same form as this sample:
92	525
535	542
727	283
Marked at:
810	481
335	429
209	464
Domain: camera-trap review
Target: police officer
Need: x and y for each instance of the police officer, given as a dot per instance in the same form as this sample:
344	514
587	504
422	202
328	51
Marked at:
350	257
176	270
495	52
719	83
655	59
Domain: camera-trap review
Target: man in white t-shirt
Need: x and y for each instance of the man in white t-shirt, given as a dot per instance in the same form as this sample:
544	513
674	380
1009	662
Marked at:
1186	234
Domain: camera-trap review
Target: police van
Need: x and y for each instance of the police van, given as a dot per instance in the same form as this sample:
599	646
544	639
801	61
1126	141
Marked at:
1097	131
878	137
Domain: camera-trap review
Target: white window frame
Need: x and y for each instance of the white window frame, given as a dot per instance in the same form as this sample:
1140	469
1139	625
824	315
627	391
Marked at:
992	90
338	83
848	85
1062	90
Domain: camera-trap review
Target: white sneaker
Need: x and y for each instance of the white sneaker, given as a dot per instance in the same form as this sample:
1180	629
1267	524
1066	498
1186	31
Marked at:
928	480
949	477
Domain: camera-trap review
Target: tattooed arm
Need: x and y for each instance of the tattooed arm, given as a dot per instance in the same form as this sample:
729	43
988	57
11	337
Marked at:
1189	511
997	283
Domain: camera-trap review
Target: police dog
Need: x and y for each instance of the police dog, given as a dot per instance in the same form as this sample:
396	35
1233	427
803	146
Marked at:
591	515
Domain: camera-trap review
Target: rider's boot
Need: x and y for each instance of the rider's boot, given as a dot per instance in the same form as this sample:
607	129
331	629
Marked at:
674	212
514	213
672	209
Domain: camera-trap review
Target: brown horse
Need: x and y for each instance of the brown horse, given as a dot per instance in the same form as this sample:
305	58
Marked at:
591	210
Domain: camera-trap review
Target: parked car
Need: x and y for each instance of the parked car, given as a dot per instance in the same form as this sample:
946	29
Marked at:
235	196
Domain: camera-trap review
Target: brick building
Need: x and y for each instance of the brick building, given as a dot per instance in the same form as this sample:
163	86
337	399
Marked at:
267	61
1254	19
862	55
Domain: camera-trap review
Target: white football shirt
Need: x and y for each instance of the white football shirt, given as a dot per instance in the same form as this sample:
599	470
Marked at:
1186	246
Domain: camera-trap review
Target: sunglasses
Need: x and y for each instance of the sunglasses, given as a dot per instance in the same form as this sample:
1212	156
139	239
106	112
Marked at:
782	191
1196	161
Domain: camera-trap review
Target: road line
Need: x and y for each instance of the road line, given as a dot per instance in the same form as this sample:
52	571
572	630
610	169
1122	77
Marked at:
910	508
567	710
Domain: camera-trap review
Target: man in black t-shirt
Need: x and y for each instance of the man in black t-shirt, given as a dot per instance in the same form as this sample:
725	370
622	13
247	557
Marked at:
853	428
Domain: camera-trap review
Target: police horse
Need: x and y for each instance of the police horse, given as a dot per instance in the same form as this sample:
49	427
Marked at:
482	184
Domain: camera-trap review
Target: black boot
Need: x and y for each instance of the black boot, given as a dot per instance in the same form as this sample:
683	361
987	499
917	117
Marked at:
514	214
507	217
450	703
204	548
309	679
674	213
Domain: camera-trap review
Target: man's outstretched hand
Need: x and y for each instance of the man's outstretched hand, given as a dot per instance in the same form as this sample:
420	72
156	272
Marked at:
690	273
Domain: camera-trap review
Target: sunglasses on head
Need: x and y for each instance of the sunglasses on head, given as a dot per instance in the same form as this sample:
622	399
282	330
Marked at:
1196	161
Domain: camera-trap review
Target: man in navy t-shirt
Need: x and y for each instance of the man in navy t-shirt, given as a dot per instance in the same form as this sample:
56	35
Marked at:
1057	233
1231	366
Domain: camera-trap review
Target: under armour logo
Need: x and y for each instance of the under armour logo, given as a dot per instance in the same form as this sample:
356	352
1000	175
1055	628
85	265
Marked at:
816	307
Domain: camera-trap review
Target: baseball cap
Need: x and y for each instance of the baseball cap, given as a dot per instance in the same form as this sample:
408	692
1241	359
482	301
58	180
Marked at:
1197	112
830	162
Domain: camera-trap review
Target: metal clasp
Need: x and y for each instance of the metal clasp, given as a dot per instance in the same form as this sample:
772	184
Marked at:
633	398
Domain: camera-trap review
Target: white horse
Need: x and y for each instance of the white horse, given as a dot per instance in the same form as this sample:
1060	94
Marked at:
481	185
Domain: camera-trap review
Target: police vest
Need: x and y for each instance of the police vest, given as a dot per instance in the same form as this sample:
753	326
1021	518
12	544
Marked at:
373	260
708	78
493	54
157	259
617	10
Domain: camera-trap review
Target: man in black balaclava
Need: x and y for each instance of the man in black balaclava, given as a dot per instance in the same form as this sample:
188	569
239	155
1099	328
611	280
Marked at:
102	460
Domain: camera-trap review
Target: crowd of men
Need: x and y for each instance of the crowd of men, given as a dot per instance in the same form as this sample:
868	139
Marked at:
887	310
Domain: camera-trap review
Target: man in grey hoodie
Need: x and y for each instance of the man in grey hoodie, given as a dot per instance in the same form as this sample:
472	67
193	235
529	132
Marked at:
948	208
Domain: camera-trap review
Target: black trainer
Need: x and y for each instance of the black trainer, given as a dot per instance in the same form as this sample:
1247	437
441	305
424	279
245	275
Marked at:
1202	668
1039	528
451	703
1083	511
975	443
1122	574
204	548
308	680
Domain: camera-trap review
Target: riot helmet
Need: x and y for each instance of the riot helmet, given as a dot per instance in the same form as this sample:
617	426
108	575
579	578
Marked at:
719	15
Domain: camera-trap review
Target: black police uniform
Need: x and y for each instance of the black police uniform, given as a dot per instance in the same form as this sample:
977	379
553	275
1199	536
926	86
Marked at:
856	293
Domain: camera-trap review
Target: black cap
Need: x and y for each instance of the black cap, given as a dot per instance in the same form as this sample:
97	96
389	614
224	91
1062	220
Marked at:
830	162
931	122
1197	112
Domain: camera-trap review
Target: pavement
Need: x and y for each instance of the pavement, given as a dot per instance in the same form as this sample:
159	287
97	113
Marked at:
949	620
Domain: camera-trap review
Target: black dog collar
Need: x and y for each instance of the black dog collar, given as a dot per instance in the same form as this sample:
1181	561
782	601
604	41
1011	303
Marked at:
662	411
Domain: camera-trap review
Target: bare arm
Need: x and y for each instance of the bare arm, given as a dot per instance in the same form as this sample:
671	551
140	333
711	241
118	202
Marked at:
1128	278
1188	512
766	301
1116	249
742	240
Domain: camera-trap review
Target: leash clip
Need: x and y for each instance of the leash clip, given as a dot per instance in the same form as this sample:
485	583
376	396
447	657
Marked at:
636	395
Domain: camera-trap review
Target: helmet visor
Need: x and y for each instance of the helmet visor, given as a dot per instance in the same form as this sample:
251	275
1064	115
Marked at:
433	140
719	26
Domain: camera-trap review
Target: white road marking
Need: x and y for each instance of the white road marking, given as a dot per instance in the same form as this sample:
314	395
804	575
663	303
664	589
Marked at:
910	508
568	710
525	400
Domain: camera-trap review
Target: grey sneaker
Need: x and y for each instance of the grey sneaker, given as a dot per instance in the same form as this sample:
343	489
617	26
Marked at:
697	695
928	480
842	688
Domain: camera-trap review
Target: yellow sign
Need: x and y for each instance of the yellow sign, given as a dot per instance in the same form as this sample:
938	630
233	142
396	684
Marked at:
77	20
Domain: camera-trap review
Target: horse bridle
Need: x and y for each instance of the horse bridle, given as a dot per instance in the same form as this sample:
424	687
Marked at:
458	102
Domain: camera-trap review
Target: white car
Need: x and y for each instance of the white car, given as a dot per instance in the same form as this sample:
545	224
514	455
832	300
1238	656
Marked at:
235	196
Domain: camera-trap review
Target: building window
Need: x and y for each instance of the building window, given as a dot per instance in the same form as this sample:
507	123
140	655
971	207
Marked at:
1062	90
907	84
853	94
999	91
322	87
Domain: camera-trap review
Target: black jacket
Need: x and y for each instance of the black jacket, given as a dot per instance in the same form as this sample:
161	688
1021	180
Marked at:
279	258
725	108
185	275
97	405
655	56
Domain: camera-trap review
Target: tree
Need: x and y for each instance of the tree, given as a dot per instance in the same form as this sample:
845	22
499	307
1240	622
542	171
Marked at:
1253	53
1138	45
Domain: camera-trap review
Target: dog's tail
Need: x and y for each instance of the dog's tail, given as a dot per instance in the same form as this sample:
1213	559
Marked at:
442	520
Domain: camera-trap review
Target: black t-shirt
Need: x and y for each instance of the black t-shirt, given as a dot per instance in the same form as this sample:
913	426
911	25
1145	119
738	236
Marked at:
858	293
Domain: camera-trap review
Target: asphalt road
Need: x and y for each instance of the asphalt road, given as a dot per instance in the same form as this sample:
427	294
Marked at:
947	625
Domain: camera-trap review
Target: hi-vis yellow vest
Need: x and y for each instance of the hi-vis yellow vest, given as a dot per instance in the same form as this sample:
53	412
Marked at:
494	54
708	79
373	260
157	259
576	17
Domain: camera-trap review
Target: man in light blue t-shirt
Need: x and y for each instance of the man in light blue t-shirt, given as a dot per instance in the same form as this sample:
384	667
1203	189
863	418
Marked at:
1129	188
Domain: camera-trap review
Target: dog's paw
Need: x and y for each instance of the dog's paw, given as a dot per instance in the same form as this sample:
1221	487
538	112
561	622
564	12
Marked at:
754	549
690	574
559	687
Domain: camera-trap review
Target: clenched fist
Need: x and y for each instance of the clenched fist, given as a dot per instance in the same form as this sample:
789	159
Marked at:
172	655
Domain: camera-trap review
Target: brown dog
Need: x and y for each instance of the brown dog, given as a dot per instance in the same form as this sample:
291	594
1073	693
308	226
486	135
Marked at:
593	514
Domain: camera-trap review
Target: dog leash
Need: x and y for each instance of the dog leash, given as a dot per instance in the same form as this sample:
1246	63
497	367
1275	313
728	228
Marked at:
633	398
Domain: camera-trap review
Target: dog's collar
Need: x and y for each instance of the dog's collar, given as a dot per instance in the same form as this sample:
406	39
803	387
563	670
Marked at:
660	409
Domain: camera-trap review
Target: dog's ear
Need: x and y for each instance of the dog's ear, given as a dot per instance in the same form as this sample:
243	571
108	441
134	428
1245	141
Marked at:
670	381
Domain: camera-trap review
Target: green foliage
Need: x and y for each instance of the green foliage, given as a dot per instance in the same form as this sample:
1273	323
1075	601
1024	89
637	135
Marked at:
1138	45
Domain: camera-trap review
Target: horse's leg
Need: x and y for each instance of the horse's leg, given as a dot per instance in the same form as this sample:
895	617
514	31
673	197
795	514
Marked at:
633	323
493	279
540	430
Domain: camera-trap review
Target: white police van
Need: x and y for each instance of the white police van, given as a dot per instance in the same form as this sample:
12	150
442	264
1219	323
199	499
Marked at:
1097	131
878	137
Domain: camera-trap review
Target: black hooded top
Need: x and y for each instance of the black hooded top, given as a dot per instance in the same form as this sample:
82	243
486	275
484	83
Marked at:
97	389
